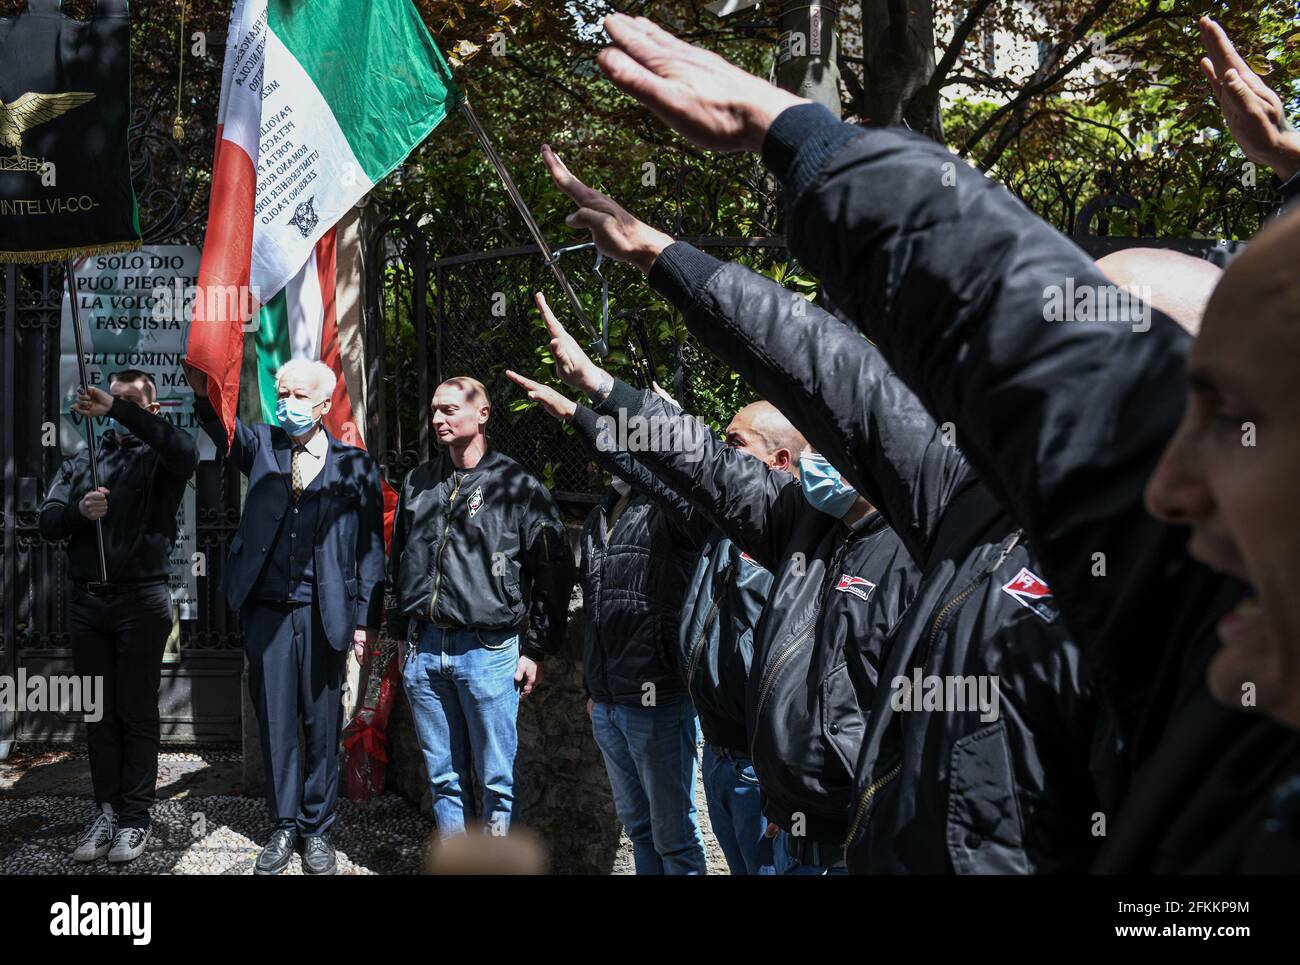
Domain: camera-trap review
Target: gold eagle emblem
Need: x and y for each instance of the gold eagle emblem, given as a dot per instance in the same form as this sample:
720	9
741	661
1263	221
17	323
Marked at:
31	110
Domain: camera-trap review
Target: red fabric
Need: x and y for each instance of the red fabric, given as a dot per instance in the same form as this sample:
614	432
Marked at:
215	345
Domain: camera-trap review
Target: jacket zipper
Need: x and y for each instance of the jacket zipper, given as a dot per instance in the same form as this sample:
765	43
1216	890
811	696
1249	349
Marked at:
940	618
708	621
442	548
766	687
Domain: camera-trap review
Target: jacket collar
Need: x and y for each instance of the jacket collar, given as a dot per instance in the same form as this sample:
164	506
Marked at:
283	445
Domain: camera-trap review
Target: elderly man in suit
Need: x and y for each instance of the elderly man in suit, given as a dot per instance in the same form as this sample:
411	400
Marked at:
306	573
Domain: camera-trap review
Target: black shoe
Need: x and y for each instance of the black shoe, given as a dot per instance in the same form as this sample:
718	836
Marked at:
318	857
275	856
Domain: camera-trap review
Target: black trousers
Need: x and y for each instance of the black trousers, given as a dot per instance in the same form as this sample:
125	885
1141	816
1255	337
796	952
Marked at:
121	639
295	675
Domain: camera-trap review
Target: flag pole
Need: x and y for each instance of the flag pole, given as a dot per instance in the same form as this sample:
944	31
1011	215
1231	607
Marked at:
547	255
90	429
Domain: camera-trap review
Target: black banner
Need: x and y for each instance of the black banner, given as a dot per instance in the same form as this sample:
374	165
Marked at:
65	103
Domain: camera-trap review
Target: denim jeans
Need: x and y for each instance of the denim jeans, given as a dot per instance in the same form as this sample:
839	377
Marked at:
736	813
461	687
650	756
788	864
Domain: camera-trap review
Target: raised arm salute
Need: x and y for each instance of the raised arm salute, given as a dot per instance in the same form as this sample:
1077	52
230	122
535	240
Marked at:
970	617
1064	422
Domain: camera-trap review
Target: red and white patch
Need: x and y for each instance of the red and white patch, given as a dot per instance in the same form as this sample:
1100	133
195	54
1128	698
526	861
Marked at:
856	585
1032	592
475	502
748	559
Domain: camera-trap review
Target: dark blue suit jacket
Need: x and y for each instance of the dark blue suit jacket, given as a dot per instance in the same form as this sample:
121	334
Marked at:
349	546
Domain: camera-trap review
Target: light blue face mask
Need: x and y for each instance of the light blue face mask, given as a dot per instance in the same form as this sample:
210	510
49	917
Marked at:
111	423
824	487
296	420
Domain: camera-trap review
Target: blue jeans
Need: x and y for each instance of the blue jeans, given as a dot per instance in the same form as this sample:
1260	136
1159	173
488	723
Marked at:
650	756
736	813
788	864
461	687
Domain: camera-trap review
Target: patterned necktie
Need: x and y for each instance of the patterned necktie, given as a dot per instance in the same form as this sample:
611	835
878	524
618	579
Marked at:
295	472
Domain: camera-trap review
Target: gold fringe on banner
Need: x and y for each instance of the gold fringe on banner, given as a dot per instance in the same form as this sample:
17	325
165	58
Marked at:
63	254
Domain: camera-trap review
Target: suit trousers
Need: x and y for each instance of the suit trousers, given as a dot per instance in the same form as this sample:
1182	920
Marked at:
295	676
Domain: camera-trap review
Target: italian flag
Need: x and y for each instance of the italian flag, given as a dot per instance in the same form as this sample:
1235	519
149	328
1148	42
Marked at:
319	102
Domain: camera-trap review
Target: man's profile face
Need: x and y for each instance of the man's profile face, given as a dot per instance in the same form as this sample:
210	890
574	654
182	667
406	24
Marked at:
136	392
456	417
1230	473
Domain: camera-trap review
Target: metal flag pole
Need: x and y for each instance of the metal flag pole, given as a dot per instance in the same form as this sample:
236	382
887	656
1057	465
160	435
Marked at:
90	429
527	215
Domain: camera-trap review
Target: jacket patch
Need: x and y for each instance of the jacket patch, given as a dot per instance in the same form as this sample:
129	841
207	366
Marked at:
748	559
856	585
1031	592
475	502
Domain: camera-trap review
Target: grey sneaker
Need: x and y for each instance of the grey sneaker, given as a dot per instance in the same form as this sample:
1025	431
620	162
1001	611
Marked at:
128	844
96	840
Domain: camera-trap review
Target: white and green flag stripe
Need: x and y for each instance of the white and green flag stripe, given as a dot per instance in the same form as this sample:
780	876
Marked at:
319	101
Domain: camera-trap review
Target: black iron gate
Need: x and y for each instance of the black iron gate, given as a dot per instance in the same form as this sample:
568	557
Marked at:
201	690
473	314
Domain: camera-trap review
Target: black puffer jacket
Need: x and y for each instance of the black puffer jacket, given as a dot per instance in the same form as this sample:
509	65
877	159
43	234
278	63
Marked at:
482	548
836	594
634	577
941	786
1064	422
724	600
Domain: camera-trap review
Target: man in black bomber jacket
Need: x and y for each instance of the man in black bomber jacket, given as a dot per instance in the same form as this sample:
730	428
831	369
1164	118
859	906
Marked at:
482	572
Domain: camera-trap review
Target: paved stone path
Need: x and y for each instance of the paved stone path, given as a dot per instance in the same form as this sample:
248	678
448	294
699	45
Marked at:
203	823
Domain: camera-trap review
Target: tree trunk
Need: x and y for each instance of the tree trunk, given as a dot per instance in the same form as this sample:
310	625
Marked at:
898	54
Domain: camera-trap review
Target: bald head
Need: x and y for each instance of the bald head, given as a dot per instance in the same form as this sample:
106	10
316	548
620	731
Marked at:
762	431
1177	284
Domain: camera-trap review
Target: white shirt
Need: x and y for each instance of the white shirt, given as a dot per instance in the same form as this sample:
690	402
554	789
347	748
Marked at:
312	459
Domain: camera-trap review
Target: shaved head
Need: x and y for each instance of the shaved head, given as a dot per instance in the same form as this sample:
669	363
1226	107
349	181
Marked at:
1177	284
475	391
762	431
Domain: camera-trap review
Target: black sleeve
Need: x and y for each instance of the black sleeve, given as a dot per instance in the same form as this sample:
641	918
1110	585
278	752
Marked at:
370	548
624	465
829	381
60	516
954	279
244	449
176	450
548	564
755	505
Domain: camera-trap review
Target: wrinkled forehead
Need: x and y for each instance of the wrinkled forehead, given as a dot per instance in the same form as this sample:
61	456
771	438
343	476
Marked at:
297	383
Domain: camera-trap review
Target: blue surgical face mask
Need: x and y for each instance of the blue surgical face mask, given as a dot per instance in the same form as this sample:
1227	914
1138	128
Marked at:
824	487
294	415
111	423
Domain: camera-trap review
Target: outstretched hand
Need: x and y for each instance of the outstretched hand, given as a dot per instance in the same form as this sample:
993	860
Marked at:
1253	112
694	91
572	365
618	234
550	400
